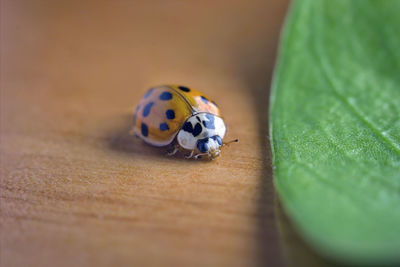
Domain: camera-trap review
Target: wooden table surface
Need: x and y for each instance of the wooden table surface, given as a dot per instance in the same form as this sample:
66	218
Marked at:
78	190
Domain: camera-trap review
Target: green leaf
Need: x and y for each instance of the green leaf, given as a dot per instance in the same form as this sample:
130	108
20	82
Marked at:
335	127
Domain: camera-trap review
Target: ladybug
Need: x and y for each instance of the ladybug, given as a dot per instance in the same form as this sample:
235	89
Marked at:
183	118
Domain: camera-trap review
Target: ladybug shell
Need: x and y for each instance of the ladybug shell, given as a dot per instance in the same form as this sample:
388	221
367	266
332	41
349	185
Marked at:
163	110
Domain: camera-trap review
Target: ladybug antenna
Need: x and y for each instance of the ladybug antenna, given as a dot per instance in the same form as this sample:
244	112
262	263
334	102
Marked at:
229	142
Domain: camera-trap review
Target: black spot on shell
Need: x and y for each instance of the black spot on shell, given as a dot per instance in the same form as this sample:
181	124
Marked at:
145	129
164	126
148	93
147	108
205	100
184	89
166	96
170	114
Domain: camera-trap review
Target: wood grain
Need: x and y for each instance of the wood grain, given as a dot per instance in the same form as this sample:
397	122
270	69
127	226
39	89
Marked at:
77	190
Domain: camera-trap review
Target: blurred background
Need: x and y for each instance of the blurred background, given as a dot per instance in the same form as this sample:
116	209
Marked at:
77	189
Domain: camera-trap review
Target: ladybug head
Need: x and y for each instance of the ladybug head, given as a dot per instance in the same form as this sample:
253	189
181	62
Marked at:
210	145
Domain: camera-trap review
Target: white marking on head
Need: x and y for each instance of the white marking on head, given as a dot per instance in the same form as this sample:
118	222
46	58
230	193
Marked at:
186	140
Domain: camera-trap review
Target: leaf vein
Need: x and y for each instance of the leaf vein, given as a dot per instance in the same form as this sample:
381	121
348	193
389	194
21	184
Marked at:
328	73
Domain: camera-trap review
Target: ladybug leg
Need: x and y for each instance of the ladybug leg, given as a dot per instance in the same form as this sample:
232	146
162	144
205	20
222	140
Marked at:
190	155
132	131
173	152
197	156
